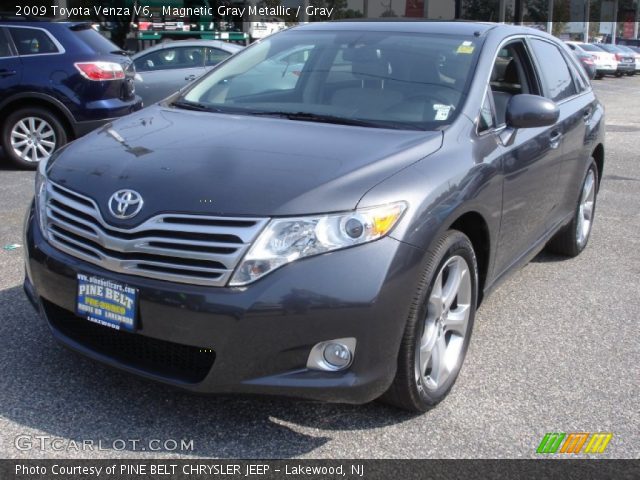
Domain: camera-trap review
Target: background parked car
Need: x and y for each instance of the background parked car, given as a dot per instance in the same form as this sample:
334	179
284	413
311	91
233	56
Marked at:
635	53
626	60
167	67
58	81
606	63
587	62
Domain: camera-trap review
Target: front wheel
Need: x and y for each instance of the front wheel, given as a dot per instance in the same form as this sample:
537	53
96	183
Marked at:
439	326
573	238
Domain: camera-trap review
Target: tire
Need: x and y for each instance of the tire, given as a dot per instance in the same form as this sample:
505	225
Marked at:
573	238
417	386
33	121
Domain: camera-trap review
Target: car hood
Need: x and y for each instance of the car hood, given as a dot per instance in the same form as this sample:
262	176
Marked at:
221	164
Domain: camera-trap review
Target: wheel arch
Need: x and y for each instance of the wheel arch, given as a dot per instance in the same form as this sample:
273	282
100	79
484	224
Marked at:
474	226
598	155
56	107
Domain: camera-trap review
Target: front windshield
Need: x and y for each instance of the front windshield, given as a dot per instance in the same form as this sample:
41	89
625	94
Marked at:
377	79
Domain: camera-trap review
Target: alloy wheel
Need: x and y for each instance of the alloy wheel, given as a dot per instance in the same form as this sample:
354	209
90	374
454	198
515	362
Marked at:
446	325
33	139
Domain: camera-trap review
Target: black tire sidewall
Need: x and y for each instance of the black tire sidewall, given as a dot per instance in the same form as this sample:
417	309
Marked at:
15	117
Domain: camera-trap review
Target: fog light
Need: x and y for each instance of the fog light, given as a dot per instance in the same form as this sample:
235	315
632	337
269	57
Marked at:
337	355
332	355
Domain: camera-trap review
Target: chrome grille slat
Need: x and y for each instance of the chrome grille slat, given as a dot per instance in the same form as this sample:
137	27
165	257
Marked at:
215	257
72	228
174	250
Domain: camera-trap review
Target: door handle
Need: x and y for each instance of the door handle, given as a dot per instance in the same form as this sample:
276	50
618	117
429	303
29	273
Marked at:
554	139
586	115
7	73
190	77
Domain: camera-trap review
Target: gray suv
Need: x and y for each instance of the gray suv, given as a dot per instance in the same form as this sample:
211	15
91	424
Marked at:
328	238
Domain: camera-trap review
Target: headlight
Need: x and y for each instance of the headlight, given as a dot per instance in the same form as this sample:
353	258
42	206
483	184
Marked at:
287	239
42	194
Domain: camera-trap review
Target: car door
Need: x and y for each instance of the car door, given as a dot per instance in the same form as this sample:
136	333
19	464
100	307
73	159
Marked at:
162	72
563	83
10	66
530	162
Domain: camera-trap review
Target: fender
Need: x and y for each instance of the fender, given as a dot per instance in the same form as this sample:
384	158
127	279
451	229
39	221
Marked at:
57	104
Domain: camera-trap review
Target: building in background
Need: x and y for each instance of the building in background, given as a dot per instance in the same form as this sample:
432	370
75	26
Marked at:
580	19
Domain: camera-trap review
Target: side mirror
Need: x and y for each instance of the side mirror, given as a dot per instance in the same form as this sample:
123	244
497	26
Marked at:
530	111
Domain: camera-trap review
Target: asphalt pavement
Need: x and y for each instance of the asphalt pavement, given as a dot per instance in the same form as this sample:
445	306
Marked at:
555	349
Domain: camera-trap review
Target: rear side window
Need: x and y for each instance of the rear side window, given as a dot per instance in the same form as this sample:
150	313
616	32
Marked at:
554	71
93	39
215	56
32	41
5	51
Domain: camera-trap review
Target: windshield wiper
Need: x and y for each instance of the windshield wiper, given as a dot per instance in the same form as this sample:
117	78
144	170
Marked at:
188	105
316	117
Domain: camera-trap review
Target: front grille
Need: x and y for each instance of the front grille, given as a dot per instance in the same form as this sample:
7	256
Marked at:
182	362
194	249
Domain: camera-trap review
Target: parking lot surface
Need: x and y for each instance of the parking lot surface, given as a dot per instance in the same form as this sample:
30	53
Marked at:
555	349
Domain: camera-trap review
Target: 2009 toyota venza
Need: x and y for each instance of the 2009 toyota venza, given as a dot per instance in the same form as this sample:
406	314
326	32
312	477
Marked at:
320	215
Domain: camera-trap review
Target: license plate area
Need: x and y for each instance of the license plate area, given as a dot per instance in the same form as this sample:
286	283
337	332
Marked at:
106	302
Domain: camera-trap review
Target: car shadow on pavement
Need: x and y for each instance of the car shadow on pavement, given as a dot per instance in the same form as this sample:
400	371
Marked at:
52	391
547	257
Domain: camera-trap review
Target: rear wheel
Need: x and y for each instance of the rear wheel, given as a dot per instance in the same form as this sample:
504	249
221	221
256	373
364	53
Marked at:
573	238
439	326
30	135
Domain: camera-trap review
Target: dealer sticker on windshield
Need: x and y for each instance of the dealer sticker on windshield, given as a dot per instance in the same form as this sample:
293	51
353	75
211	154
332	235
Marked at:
466	48
106	302
442	111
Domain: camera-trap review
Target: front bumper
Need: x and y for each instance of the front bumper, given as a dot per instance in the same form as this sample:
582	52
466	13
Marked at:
246	340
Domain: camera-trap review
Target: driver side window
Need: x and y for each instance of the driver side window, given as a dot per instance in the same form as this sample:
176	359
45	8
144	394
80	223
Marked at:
512	74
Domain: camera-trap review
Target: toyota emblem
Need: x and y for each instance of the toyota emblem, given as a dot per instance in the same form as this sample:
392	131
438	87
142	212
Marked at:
125	204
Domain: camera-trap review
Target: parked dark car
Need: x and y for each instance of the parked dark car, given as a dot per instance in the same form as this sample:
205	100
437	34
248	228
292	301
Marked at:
588	63
331	240
626	61
58	81
167	67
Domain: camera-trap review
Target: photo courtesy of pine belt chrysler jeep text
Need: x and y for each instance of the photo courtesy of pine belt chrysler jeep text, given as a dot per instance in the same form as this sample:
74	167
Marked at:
328	237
